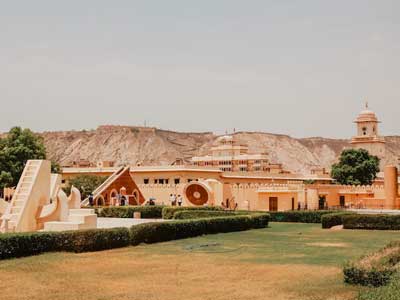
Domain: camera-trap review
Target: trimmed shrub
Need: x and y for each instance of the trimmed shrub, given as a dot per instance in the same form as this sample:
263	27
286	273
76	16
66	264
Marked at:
299	216
166	231
389	292
169	211
372	222
200	214
147	212
93	240
331	220
375	269
27	244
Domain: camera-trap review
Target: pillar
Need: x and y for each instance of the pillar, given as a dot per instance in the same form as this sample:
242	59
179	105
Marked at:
391	187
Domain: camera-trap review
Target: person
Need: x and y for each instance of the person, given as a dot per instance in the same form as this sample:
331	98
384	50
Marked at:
122	200
91	199
180	200
172	199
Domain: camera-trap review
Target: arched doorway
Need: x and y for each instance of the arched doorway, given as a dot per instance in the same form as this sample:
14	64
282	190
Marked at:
99	201
113	197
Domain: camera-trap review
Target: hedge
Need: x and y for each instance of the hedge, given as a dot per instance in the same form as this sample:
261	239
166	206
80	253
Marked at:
372	222
166	231
335	219
147	212
200	214
299	216
389	292
169	211
375	269
27	244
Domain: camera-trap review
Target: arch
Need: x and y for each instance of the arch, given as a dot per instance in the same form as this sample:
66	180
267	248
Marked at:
135	196
99	201
113	194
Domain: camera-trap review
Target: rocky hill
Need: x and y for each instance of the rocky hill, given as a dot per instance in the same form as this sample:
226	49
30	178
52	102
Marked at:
151	146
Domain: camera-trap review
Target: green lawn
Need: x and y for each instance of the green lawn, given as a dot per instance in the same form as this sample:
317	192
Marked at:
285	261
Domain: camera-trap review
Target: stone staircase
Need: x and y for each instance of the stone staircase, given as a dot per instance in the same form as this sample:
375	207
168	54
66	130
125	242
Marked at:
77	219
12	217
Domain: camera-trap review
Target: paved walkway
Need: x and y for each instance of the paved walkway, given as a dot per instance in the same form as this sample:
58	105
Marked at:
122	222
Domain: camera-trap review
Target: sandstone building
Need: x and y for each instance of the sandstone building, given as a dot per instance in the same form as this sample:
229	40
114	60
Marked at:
368	137
230	155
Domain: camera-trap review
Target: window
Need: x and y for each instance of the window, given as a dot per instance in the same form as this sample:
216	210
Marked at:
166	181
63	181
161	181
364	130
189	180
177	180
146	181
155	181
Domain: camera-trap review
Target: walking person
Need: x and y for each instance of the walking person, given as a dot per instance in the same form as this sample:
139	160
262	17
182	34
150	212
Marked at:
91	199
180	200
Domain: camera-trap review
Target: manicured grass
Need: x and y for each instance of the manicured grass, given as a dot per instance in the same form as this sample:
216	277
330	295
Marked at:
285	261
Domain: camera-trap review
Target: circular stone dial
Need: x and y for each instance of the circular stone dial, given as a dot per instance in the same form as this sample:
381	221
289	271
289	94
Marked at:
197	194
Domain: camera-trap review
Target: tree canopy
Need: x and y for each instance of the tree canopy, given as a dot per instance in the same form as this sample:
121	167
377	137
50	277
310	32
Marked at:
356	167
16	149
86	184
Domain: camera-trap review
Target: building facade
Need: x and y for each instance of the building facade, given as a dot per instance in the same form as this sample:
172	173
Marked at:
229	155
368	137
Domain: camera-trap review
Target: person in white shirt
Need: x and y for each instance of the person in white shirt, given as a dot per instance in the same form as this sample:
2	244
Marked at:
180	200
172	199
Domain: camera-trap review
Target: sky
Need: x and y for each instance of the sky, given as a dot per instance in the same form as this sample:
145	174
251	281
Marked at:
300	67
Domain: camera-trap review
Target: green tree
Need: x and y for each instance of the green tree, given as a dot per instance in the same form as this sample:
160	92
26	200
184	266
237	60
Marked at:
86	184
16	148
55	167
5	180
356	167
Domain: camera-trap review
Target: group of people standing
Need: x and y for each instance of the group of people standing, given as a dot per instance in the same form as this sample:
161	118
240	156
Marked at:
117	200
175	200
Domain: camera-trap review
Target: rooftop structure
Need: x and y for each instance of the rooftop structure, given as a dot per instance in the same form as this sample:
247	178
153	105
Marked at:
229	155
368	137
